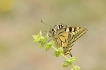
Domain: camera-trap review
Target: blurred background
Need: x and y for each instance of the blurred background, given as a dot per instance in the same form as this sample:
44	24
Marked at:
20	19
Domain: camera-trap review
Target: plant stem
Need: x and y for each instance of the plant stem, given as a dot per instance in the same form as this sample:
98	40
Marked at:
54	48
65	58
72	66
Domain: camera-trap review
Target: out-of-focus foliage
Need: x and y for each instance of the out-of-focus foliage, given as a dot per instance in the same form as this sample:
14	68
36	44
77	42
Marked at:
6	5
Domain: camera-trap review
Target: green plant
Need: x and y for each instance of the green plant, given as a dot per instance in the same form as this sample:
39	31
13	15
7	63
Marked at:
44	43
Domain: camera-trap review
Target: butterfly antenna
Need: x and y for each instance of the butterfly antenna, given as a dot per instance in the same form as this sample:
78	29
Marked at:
45	24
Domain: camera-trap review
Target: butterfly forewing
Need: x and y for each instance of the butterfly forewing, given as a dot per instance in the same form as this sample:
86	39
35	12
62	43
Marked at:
77	32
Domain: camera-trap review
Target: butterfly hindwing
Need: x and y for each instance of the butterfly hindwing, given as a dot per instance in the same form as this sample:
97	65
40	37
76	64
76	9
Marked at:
65	39
68	48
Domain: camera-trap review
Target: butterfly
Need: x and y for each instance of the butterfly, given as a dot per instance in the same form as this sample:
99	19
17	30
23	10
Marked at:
65	36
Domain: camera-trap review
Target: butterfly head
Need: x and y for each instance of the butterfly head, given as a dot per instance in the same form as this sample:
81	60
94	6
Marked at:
56	28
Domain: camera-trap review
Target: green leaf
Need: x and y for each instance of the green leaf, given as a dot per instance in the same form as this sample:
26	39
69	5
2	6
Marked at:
68	62
49	45
58	52
77	68
40	39
65	64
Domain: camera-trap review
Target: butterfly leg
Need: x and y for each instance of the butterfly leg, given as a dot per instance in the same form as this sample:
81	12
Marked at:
49	40
70	54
